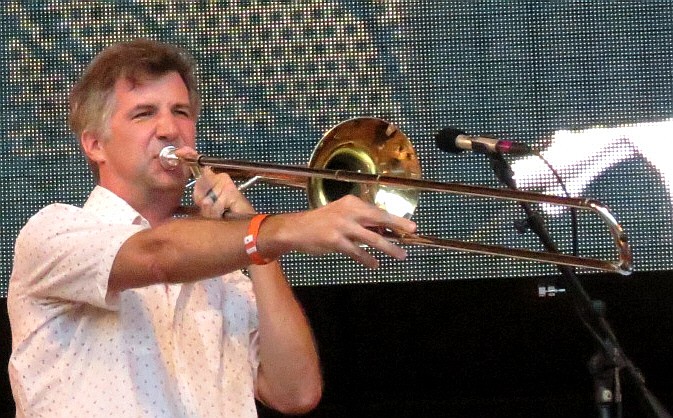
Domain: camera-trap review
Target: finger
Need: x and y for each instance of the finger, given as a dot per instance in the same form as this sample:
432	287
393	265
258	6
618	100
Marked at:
363	257
368	215
212	196
223	199
217	201
229	197
203	185
207	194
381	243
356	251
186	152
209	209
212	186
212	177
397	223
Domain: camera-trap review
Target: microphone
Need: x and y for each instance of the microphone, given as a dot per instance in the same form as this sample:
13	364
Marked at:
456	141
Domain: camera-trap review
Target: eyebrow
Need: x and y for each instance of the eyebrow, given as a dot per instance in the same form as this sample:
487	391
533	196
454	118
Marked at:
150	106
187	106
139	107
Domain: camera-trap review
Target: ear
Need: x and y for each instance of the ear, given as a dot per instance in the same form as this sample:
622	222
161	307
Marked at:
92	145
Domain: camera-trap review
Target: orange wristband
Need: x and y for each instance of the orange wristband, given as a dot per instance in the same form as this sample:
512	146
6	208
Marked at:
250	240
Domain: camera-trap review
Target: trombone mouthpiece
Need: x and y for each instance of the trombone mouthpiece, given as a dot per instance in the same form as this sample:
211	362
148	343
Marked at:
168	159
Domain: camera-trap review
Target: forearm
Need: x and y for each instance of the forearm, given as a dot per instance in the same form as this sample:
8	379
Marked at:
289	377
192	249
182	250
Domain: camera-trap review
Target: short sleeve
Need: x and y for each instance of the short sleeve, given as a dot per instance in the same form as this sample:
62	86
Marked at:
65	253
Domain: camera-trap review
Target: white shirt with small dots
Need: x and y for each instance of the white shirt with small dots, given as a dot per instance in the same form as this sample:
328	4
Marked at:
181	350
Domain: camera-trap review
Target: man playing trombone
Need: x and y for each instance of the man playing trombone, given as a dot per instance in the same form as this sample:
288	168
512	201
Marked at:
120	309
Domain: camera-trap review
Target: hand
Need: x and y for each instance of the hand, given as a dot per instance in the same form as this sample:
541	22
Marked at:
342	226
216	194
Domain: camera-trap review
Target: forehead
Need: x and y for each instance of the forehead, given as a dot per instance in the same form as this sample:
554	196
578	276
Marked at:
167	87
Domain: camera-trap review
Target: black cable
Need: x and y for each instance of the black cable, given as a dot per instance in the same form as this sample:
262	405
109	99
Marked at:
573	211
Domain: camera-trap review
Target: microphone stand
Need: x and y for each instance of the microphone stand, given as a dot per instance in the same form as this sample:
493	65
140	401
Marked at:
609	359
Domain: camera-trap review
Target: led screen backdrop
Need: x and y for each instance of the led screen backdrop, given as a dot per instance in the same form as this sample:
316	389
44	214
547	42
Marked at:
589	82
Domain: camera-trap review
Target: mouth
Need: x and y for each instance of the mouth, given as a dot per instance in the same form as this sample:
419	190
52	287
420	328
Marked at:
168	159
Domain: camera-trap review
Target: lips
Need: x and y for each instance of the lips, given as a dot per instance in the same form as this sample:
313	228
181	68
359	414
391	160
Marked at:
167	157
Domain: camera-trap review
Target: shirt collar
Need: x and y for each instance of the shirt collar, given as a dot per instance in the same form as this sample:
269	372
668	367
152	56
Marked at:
112	208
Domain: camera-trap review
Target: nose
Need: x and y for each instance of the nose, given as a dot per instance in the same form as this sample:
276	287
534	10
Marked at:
167	128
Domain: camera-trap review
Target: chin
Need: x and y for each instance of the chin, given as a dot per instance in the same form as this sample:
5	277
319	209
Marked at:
170	185
178	186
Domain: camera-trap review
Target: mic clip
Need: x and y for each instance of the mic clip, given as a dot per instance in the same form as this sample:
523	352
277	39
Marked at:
524	225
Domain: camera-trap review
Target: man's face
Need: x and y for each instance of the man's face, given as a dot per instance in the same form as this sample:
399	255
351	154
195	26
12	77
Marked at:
147	117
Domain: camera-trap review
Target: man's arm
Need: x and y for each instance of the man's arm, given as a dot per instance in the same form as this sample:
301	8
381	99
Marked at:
289	378
182	250
185	250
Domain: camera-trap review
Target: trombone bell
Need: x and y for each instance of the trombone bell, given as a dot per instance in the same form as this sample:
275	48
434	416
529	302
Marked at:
371	146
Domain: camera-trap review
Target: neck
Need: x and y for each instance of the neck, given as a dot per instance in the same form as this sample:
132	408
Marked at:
157	210
157	206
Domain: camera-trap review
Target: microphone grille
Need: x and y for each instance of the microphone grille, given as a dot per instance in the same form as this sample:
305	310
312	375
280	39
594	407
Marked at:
446	140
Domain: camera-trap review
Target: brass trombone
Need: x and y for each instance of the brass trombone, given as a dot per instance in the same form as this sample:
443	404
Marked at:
373	159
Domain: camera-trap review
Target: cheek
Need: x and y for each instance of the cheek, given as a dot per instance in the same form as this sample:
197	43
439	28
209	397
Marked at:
129	134
188	131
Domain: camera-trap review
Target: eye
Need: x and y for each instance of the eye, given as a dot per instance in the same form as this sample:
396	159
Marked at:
183	112
142	114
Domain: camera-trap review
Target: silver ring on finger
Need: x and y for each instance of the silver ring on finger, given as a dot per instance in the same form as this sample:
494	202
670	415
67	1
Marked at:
211	194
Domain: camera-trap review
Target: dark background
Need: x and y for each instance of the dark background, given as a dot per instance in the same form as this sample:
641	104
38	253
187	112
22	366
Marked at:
473	348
